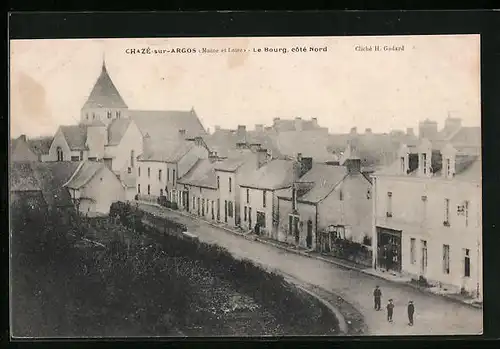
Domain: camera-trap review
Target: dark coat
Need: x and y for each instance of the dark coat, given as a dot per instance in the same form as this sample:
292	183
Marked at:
411	309
377	293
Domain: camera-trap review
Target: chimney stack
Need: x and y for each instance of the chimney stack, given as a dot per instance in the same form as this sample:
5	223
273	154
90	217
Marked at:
354	130
298	124
23	138
368	131
259	127
314	122
241	134
217	128
410	132
353	165
261	157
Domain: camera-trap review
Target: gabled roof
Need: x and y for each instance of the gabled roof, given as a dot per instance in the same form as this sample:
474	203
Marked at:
117	129
84	173
323	178
166	124
49	177
167	150
75	135
40	145
202	174
235	160
275	174
104	94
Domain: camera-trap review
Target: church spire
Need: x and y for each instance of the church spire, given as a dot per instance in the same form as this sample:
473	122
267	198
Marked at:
104	62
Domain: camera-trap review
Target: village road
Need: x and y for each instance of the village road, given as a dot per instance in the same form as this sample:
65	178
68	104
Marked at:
433	315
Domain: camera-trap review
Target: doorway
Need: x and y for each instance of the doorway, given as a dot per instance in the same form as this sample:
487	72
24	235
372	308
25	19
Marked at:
389	249
250	218
309	236
423	261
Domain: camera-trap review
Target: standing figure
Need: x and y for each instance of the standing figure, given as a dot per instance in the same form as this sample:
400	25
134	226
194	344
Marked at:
377	296
411	311
390	310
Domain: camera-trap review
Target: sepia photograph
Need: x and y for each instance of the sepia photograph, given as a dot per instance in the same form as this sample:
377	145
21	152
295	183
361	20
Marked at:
245	187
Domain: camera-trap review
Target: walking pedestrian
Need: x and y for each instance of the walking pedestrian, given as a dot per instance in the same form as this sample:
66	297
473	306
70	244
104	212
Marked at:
390	310
377	297
411	311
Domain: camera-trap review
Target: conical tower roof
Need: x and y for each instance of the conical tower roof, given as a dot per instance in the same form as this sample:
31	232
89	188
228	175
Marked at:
104	94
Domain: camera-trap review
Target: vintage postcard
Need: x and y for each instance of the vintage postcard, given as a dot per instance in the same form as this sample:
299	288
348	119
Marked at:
292	186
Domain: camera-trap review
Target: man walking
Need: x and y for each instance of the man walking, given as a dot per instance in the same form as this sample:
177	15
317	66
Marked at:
377	296
390	310
411	311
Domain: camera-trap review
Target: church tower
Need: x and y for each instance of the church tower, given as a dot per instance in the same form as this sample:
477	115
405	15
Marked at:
104	103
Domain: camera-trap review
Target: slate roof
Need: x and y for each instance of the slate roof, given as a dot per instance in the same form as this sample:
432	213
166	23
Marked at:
48	177
166	124
117	129
235	160
275	174
310	143
104	94
84	173
75	136
40	145
202	174
323	178
167	150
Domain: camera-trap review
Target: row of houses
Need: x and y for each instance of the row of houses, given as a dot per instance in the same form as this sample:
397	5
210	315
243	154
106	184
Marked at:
413	203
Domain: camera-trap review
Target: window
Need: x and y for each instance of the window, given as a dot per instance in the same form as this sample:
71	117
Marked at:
230	208
117	114
466	263
466	213
138	171
448	168
341	195
264	198
159	175
446	259
294	197
423	243
413	258
81	155
193	203
75	158
446	212
230	184
93	115
245	214
403	166
202	207
389	204
149	189
368	194
149	172
87	116
168	175
132	158
129	170
424	162
60	156
109	115
218	182
173	177
424	208
138	188
248	196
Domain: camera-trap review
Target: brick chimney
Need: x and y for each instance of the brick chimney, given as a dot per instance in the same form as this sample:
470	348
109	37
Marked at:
298	124
368	131
302	165
23	138
314	122
259	127
354	131
261	157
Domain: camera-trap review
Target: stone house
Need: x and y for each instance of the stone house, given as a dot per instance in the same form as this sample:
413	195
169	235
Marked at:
427	217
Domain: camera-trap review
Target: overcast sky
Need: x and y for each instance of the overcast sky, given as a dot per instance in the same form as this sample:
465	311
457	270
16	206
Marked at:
343	87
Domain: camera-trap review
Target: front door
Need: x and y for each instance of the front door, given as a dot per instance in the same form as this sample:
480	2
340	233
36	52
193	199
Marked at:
225	211
250	218
296	229
423	261
185	200
309	233
389	249
198	205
